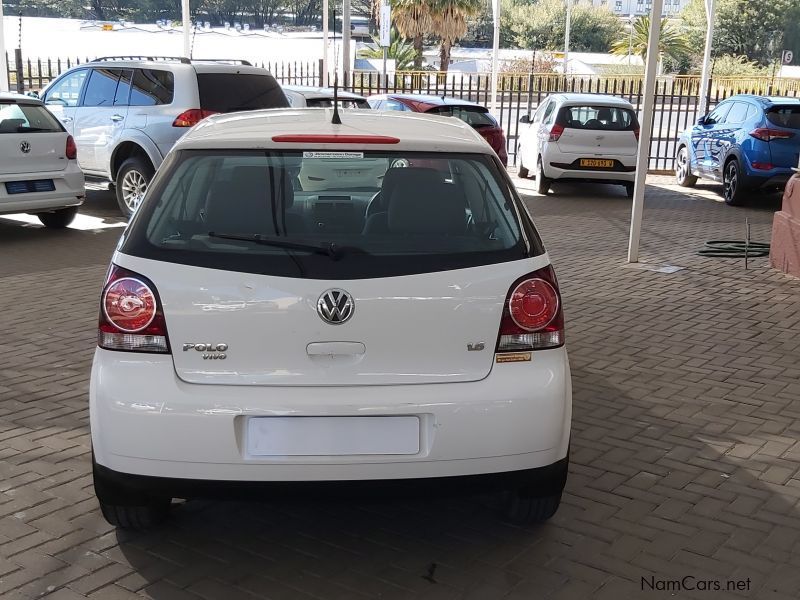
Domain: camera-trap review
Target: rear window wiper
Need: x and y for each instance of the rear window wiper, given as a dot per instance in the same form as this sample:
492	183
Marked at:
331	249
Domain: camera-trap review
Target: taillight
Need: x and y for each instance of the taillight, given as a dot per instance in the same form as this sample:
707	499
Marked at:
191	117
131	318
762	166
71	151
555	132
636	133
765	134
532	315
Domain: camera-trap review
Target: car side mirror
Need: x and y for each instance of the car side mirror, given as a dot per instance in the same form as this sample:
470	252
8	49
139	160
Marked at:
33	94
525	119
702	120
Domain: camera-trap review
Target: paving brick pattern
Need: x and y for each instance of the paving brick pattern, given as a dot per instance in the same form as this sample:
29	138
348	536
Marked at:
685	449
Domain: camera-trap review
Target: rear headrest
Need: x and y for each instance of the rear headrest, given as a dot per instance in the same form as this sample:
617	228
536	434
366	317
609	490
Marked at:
604	114
423	203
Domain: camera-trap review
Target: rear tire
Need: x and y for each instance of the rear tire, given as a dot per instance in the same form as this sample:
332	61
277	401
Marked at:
126	508
525	510
133	179
542	182
58	219
629	189
523	171
683	172
733	185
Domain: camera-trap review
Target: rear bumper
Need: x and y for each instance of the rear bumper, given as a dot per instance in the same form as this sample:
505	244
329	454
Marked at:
145	421
562	168
69	191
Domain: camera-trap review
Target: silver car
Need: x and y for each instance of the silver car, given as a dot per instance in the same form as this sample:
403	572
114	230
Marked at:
320	97
126	113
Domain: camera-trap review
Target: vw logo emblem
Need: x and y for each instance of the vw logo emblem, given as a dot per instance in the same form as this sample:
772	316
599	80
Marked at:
335	306
24	147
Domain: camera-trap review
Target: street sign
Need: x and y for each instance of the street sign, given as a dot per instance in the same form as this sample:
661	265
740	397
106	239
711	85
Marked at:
386	25
787	57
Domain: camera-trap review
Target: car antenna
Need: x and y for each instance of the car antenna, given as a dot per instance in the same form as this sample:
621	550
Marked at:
336	120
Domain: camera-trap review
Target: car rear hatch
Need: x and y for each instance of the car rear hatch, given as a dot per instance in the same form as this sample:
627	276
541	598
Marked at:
597	130
31	140
783	122
414	294
225	89
478	117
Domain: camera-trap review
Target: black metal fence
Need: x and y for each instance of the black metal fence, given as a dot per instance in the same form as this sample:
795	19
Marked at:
676	102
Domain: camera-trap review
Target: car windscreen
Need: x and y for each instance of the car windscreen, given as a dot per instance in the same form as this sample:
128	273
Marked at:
785	116
230	92
476	116
27	118
331	215
597	118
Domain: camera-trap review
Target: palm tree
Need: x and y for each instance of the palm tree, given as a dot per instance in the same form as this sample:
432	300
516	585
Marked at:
450	23
400	50
413	20
673	42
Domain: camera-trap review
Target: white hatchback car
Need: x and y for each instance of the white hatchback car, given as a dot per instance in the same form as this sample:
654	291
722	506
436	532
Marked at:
580	137
402	327
39	173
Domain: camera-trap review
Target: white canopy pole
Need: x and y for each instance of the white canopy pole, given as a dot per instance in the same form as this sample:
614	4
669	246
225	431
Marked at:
646	131
495	53
346	41
706	72
324	43
566	35
187	25
3	65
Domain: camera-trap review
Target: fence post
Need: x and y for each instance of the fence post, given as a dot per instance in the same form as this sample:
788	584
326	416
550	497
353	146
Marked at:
321	68
20	74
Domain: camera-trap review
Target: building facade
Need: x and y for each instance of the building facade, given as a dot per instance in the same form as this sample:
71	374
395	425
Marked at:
627	8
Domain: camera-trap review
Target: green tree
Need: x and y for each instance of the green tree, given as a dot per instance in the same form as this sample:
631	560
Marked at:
399	49
541	24
413	20
450	24
672	45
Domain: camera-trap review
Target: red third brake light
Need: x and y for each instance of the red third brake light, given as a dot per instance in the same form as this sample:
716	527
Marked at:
312	138
555	132
191	117
532	315
765	134
71	150
130	314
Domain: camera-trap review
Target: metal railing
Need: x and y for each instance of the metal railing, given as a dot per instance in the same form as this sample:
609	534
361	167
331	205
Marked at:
518	93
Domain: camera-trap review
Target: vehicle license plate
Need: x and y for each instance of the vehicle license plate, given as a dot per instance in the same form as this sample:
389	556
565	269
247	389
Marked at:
27	187
331	436
597	162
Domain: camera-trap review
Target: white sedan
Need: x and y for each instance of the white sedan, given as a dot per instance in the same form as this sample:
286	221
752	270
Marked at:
262	323
39	173
580	137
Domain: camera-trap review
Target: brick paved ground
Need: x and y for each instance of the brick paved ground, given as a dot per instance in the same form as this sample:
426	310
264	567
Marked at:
685	443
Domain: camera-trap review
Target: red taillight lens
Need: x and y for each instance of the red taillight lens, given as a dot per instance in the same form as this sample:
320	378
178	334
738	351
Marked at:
555	132
532	317
765	134
762	166
131	318
191	117
71	150
636	133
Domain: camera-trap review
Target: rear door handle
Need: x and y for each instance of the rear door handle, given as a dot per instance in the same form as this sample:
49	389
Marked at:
117	118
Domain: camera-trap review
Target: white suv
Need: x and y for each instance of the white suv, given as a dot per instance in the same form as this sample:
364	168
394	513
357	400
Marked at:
580	137
399	319
126	113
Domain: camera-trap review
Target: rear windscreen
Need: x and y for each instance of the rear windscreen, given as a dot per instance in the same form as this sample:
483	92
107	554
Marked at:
602	118
229	92
785	116
346	215
477	116
343	103
27	118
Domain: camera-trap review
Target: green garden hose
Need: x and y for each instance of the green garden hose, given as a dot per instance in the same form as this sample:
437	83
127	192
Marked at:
734	249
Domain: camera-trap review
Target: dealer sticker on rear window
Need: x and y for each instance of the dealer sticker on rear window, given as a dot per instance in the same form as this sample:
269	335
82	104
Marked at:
333	155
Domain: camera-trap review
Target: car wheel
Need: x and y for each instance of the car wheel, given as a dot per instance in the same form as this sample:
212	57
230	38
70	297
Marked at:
733	188
683	173
629	189
125	508
58	219
523	171
542	182
133	178
521	509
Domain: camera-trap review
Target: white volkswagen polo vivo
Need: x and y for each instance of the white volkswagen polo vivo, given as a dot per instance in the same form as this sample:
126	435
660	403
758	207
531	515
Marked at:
404	326
39	173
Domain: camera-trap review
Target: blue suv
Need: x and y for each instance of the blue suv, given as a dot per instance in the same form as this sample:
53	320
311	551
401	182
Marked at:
746	143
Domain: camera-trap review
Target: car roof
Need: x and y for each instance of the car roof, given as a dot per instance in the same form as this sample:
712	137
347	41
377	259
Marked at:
20	99
320	92
200	65
430	99
595	99
255	130
766	101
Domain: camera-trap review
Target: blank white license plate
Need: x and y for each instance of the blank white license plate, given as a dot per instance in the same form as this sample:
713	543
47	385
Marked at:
331	436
